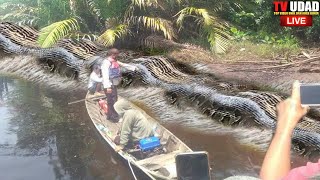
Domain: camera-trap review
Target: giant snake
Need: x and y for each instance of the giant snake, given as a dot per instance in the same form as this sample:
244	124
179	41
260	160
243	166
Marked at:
223	101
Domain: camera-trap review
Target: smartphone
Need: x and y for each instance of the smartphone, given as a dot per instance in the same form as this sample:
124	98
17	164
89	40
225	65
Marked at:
310	94
193	166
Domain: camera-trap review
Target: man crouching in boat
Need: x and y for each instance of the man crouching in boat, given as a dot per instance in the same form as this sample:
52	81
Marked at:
111	74
95	81
134	125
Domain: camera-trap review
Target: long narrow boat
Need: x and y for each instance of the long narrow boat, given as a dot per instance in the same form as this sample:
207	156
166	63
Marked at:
160	166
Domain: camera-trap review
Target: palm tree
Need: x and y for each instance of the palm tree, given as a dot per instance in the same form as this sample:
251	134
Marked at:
112	20
21	13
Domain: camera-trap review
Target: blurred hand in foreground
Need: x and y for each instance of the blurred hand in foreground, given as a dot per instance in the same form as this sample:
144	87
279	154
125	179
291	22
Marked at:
290	111
276	164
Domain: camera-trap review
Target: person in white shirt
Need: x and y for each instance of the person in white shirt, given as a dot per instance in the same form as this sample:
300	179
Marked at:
111	74
95	80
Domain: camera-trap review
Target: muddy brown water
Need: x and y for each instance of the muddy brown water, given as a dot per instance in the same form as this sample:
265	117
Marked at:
41	137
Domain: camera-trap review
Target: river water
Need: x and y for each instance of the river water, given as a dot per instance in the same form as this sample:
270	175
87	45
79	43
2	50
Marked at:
42	137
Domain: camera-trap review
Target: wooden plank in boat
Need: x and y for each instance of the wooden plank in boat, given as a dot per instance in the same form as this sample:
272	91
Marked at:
161	159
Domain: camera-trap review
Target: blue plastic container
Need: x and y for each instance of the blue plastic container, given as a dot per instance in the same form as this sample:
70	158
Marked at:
149	143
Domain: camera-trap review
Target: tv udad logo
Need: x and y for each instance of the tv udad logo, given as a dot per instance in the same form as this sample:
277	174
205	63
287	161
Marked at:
296	6
296	13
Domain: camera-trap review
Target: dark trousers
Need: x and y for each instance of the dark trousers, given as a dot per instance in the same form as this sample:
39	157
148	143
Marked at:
96	87
111	99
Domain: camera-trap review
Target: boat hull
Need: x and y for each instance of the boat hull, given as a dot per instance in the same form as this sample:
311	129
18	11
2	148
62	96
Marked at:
149	168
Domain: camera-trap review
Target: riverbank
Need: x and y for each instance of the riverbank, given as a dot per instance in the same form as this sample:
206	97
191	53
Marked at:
274	73
29	68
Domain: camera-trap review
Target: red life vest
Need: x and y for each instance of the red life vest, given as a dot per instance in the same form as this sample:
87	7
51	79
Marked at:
103	105
114	69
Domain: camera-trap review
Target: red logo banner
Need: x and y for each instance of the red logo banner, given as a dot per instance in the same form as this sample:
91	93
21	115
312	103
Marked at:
296	20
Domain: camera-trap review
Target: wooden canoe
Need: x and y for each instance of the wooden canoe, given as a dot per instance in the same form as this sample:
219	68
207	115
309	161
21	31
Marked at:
156	167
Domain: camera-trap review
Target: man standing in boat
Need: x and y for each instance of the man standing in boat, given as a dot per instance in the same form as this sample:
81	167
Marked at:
111	74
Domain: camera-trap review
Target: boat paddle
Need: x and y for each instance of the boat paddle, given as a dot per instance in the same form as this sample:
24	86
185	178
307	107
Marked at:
93	98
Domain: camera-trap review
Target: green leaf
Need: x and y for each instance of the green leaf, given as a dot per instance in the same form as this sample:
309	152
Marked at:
53	33
234	30
156	24
145	3
109	37
216	33
207	19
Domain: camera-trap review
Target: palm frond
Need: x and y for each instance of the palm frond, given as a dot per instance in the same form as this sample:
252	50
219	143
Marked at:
218	43
14	16
128	14
82	36
239	5
188	11
20	18
145	3
53	33
109	37
218	36
112	22
172	2
156	24
158	42
152	3
94	9
216	33
28	22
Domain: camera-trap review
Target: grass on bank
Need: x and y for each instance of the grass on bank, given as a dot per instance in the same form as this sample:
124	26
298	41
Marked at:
244	47
250	51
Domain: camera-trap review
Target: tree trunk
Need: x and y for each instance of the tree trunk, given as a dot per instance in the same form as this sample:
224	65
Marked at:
73	6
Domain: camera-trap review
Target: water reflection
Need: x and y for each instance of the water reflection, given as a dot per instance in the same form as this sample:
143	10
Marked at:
43	137
3	87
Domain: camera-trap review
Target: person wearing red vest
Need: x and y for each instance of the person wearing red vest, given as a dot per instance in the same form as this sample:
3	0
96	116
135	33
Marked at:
111	74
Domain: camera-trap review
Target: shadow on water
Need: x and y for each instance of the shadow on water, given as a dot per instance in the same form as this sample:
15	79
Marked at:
43	137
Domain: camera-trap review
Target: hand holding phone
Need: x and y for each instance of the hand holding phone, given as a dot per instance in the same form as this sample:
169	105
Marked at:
290	111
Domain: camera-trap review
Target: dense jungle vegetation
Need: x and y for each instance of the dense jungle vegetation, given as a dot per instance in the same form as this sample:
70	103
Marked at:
211	24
